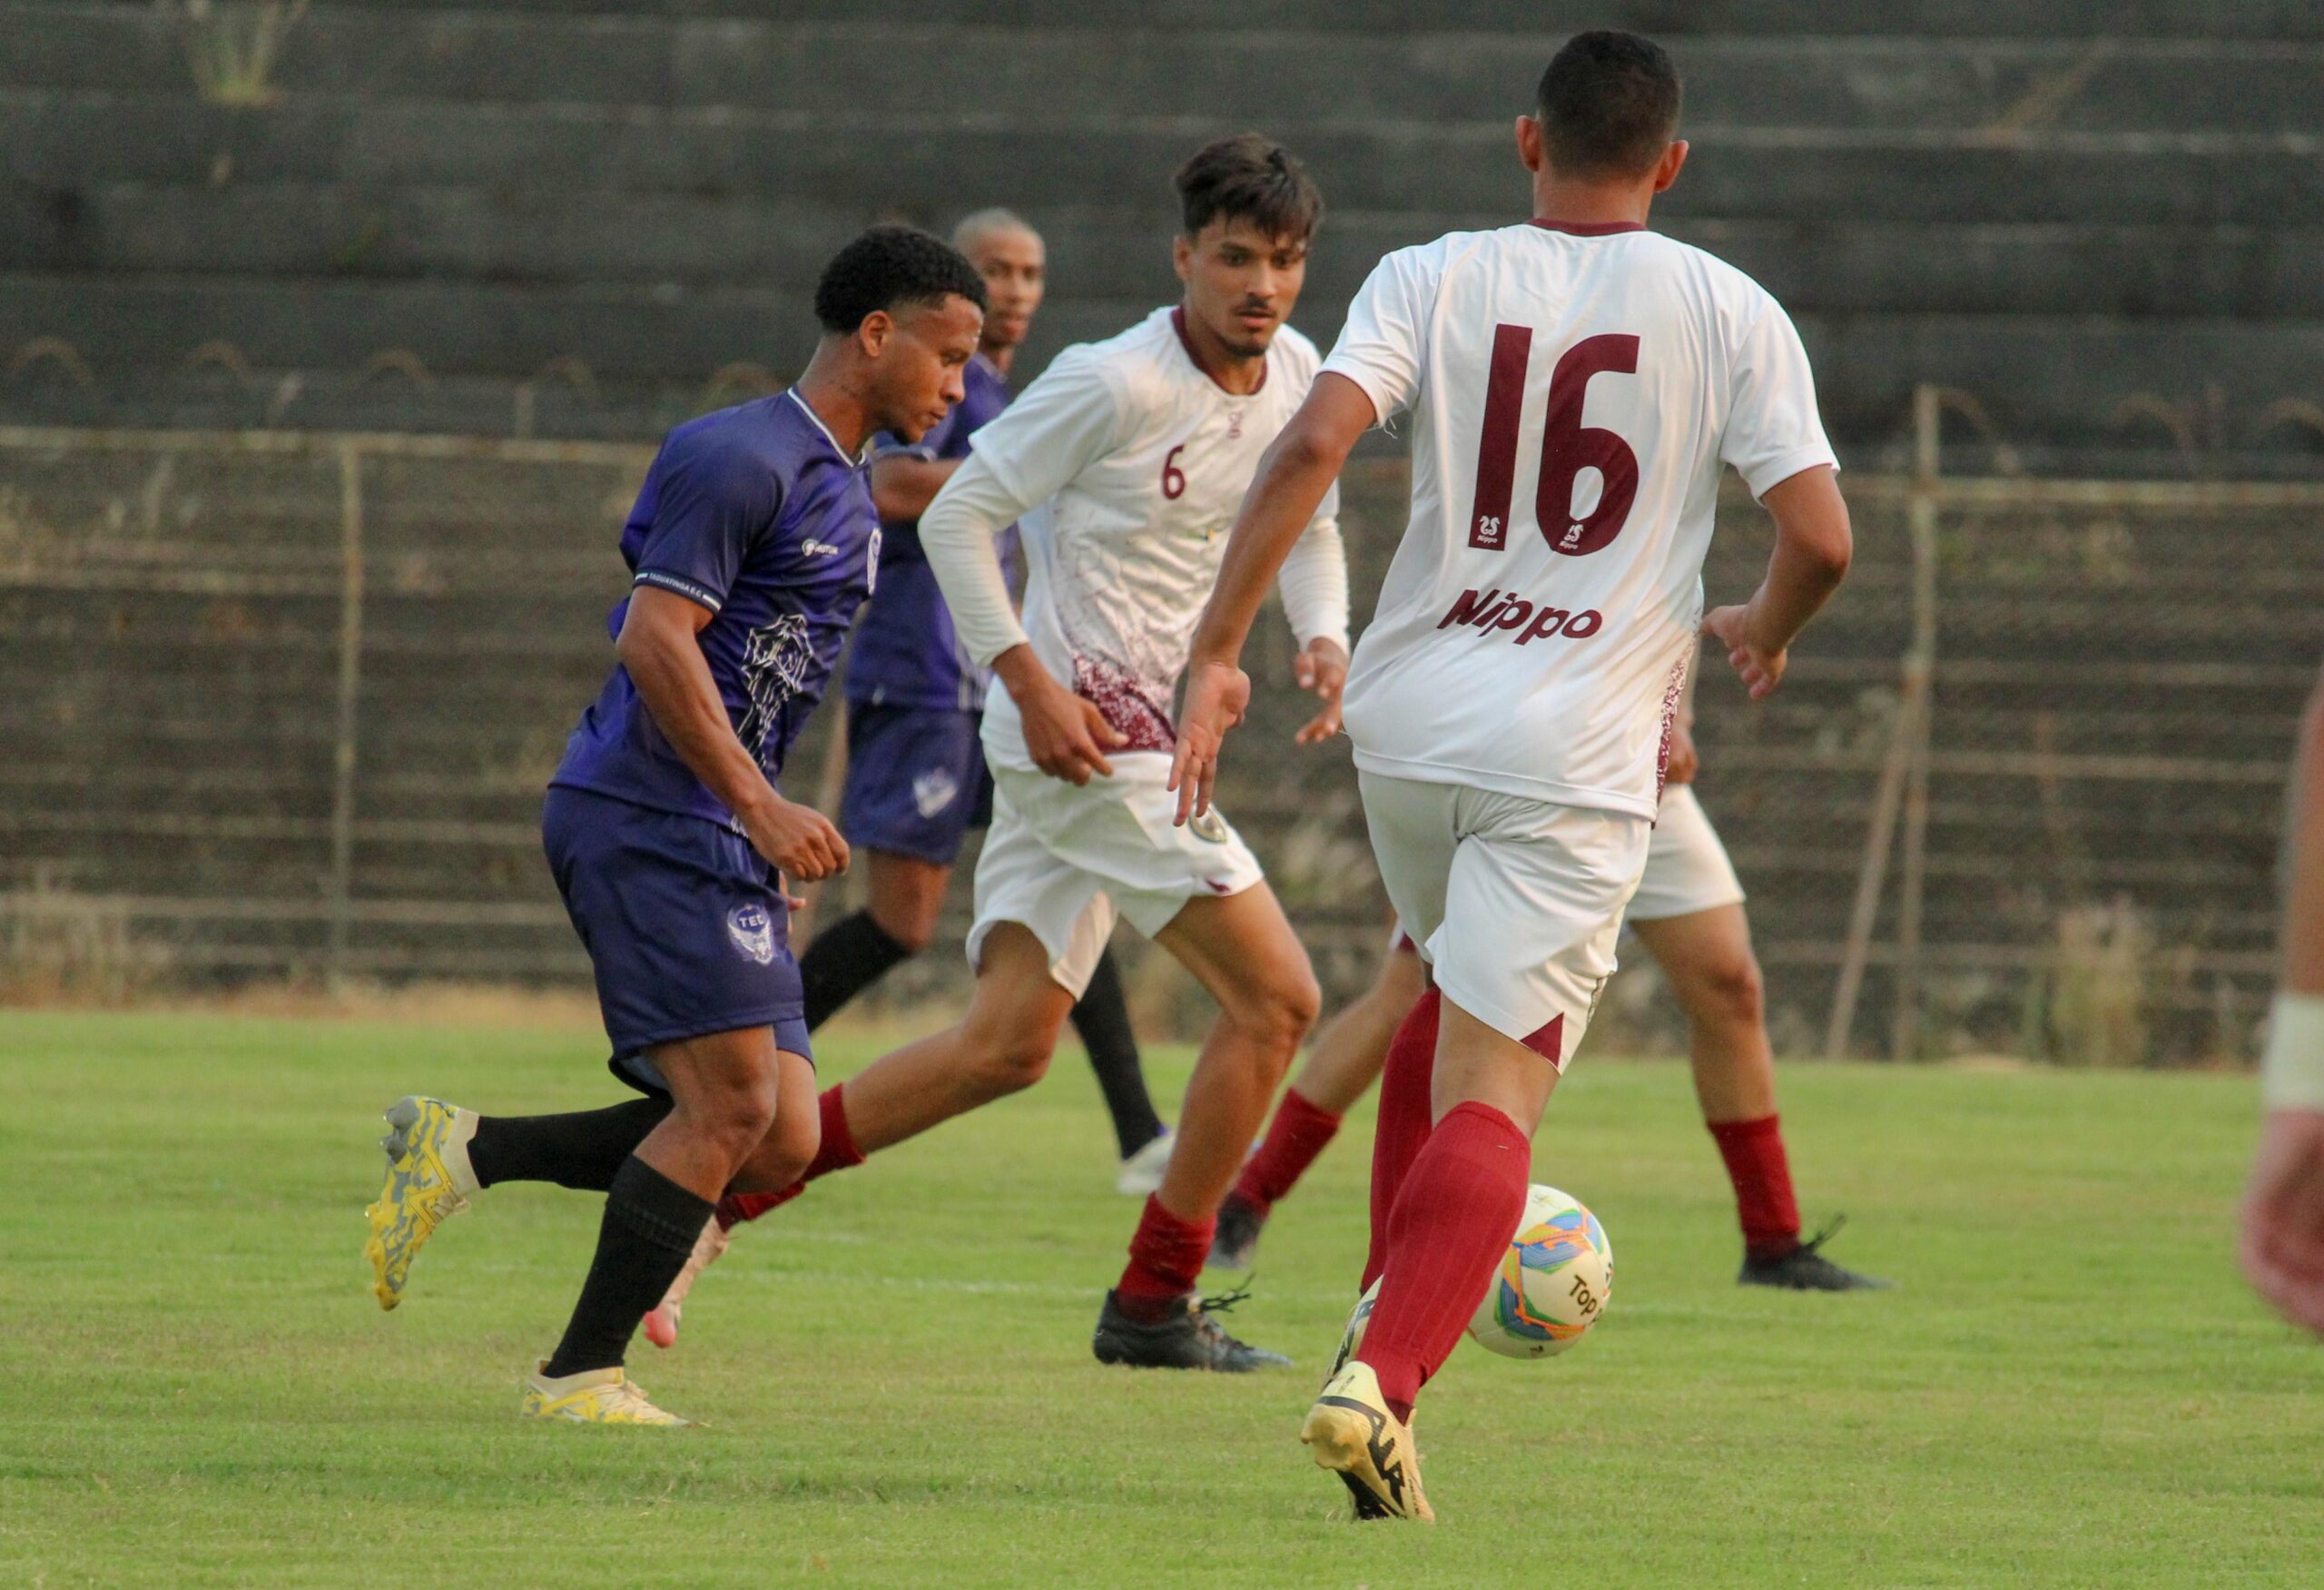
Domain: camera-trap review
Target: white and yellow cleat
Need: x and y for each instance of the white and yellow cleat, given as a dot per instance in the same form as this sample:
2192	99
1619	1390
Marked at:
428	1181
662	1324
593	1396
1351	1432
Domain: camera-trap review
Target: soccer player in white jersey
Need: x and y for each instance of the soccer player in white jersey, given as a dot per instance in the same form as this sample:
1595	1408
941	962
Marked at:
2283	1245
1123	465
1688	912
1510	701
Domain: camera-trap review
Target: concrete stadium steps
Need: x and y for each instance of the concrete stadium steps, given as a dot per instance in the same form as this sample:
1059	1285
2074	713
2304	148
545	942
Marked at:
1080	66
2064	377
559	236
1664	18
56	143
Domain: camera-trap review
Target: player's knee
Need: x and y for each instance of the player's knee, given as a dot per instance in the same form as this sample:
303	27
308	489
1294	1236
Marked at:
913	931
1278	1013
784	1154
736	1111
1008	1061
1730	992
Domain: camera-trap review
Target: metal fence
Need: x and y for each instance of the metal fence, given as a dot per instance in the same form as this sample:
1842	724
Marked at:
283	704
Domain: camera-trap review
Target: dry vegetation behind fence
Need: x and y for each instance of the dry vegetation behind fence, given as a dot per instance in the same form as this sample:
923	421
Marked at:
282	705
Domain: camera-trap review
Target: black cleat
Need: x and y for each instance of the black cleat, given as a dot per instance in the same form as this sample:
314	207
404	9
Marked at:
1186	1338
1235	1245
1806	1270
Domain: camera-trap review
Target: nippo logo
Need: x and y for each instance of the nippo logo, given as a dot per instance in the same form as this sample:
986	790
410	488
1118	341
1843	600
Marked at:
1513	615
752	932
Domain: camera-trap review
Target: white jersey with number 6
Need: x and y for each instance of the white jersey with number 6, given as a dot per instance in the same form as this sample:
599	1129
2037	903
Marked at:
1575	393
1127	462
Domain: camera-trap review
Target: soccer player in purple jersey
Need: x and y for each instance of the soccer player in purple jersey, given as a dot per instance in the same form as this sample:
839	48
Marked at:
751	546
916	778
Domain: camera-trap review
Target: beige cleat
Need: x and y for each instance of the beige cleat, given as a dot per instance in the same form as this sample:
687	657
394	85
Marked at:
428	1181
593	1396
662	1324
1351	1432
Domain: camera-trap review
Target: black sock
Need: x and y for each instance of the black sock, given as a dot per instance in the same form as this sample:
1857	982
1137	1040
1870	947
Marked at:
846	958
649	1228
584	1150
1102	1018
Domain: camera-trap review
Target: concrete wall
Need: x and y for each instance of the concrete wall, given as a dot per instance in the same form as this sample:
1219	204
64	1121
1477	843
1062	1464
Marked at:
2000	198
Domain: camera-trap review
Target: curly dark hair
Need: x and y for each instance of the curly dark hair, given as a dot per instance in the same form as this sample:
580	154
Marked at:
1608	105
1249	177
889	265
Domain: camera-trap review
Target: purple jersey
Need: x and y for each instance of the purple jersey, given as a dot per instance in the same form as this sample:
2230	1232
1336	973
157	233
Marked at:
754	513
906	653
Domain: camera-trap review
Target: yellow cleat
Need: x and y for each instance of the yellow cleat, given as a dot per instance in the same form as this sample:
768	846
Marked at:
429	1180
593	1396
1351	1432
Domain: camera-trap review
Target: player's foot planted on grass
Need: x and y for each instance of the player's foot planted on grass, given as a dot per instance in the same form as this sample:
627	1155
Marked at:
1804	1269
1178	1333
1236	1245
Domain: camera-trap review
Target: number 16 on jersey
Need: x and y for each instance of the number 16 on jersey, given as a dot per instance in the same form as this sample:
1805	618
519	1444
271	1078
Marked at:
1568	446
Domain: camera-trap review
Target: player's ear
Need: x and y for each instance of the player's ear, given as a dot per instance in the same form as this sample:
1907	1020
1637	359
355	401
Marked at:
1182	256
1532	148
1666	171
872	335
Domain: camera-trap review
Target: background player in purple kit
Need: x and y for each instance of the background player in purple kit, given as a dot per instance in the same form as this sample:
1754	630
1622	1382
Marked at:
751	546
916	778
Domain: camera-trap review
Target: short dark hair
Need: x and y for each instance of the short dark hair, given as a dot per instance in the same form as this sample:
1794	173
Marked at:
1608	105
1252	178
889	265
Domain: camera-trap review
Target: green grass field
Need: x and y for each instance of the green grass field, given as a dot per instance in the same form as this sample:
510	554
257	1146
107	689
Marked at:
2070	1388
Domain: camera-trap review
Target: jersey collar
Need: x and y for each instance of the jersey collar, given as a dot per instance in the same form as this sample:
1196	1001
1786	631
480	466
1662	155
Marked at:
1588	228
1178	324
816	420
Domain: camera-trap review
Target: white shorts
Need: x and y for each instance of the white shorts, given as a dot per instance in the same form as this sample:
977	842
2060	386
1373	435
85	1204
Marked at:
1062	859
1686	869
1514	902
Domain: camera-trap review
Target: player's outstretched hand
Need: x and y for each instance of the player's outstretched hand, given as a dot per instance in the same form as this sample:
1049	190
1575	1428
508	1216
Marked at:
1322	667
1218	695
2282	1245
798	840
1759	668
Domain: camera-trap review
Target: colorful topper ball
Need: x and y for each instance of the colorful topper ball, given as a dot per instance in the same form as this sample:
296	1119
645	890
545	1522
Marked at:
1553	1282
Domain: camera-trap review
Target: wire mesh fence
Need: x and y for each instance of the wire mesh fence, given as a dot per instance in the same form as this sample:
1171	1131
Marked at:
281	705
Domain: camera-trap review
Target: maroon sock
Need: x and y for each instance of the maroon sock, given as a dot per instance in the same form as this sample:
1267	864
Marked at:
1405	1114
1451	1224
1166	1260
1298	1132
837	1152
1761	1171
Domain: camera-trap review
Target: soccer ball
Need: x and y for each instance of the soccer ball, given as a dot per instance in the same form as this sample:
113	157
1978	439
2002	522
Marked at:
1552	1284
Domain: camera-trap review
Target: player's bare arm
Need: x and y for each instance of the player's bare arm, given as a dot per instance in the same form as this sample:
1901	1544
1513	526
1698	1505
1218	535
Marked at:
665	661
1813	546
1293	478
902	486
2283	1245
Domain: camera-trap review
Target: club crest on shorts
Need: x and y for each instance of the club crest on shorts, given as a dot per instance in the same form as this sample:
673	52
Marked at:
934	790
1209	825
752	932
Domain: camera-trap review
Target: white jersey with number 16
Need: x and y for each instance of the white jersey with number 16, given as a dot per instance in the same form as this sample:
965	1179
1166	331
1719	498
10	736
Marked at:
1575	393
